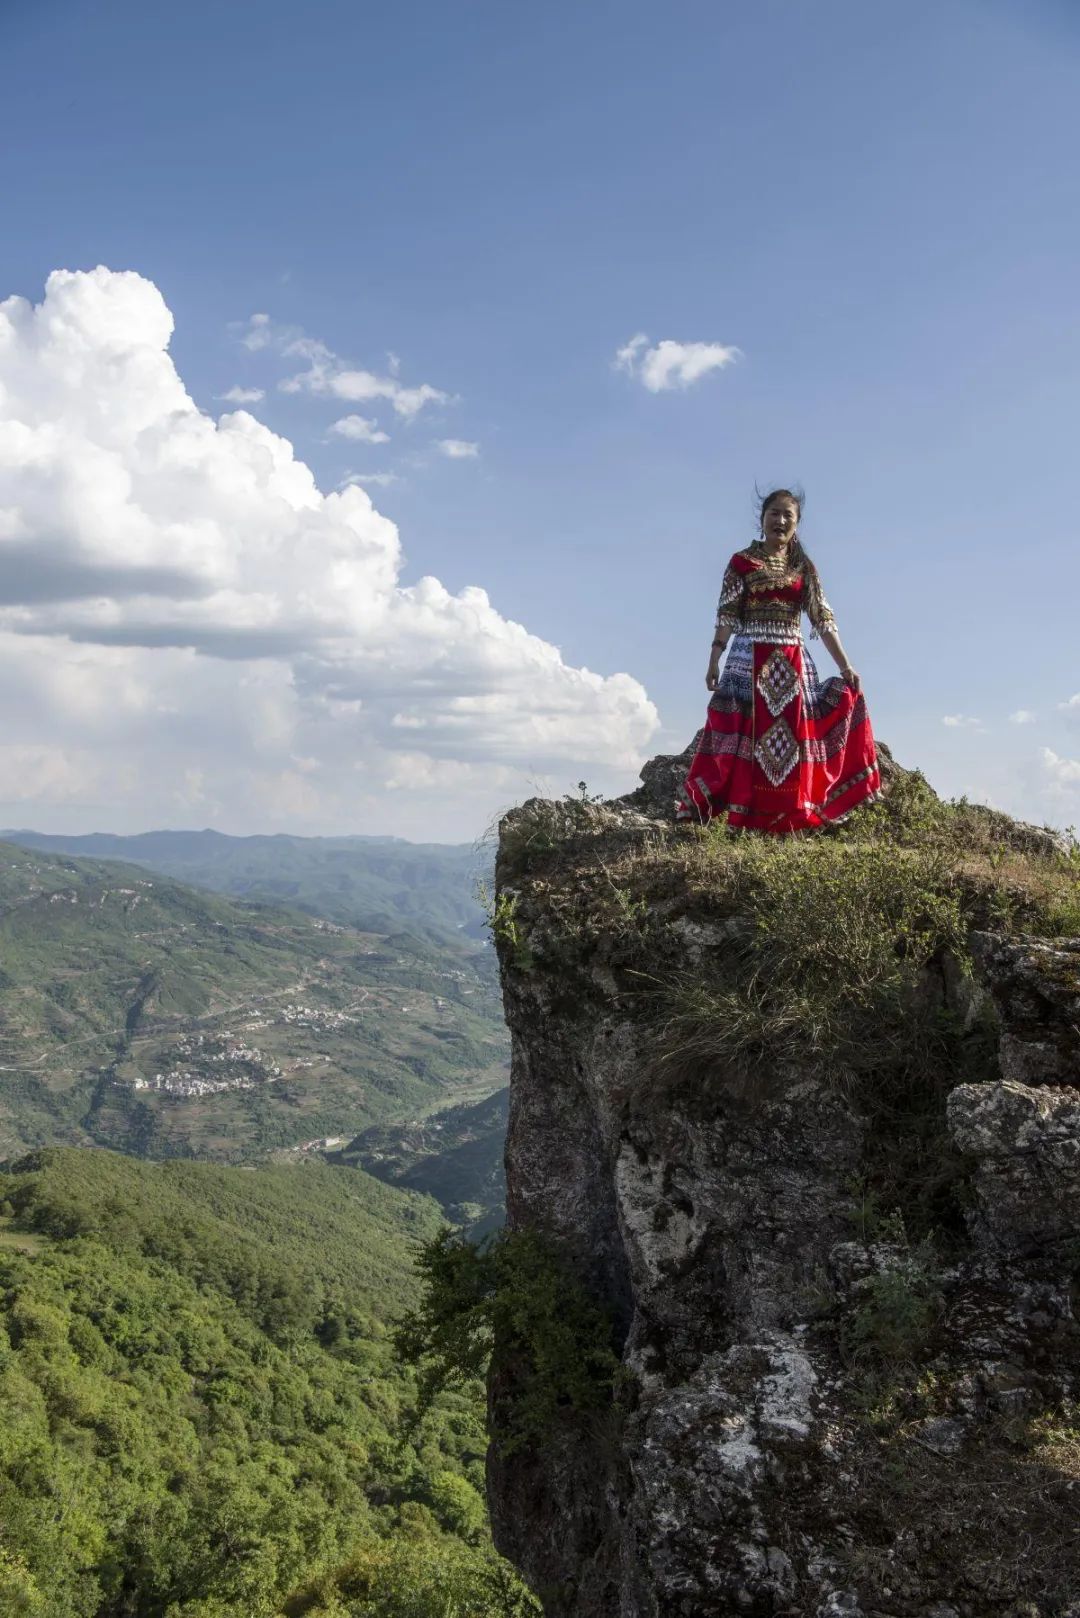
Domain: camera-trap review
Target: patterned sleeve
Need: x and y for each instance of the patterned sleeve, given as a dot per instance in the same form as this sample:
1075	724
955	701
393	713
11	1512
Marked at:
729	610
818	610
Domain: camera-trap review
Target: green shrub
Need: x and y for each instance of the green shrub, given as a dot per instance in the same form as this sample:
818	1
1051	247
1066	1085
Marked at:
500	913
896	1317
515	1294
416	1577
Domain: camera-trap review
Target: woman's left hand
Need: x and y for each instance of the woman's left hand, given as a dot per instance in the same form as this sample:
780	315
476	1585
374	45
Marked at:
850	678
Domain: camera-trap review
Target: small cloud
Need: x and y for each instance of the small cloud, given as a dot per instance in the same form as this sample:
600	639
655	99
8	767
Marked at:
327	373
457	449
1071	708
381	480
1065	771
243	396
358	387
669	365
361	429
961	721
1023	716
259	333
626	356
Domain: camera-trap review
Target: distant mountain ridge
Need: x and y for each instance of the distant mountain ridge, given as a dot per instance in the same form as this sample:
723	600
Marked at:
375	884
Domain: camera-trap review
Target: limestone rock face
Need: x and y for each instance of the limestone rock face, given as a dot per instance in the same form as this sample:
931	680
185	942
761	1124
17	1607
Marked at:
740	1471
1026	1142
1036	986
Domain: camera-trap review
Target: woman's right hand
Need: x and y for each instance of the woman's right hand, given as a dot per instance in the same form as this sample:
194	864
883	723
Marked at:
712	678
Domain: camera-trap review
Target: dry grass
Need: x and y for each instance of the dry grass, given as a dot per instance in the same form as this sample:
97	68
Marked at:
997	1524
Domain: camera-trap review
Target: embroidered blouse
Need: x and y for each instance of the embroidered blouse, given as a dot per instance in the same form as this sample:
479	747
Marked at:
764	598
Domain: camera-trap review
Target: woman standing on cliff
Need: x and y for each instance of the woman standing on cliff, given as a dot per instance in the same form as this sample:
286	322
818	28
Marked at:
781	751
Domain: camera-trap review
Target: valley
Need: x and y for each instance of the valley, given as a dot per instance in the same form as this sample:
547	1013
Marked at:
147	1016
454	1155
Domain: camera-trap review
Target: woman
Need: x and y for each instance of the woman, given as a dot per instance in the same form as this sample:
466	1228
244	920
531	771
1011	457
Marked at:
780	752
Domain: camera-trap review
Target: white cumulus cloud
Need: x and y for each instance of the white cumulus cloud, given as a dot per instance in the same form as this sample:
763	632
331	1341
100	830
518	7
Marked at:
668	364
457	449
180	600
361	429
1023	716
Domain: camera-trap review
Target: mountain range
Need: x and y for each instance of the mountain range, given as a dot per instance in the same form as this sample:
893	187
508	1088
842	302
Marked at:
375	884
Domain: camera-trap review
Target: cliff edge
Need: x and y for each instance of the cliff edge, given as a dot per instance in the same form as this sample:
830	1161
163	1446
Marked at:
803	1118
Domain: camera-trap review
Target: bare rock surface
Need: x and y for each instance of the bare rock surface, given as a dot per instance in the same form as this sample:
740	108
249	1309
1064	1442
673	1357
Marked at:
1026	1142
1036	986
741	1471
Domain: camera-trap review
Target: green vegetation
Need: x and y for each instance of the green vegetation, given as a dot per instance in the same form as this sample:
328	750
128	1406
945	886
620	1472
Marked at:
501	918
415	1576
140	1014
840	930
516	1291
200	1411
836	941
851	959
898	1309
372	884
455	1156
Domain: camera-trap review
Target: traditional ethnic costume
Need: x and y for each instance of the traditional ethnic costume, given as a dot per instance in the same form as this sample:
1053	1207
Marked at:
781	751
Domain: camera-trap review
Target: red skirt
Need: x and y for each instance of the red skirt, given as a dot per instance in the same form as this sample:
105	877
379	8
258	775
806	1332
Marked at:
781	750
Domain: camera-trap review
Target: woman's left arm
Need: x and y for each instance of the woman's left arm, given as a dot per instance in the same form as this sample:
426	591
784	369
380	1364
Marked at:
830	639
821	616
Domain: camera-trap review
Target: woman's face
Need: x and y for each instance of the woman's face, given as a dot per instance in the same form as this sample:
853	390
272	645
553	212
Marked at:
780	520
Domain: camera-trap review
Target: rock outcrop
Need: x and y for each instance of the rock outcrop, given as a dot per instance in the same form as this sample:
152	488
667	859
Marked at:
822	1414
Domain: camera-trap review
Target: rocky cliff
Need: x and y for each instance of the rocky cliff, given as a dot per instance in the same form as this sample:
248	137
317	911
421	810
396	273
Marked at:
805	1119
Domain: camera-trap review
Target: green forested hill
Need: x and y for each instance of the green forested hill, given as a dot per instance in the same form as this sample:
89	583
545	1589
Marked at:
139	1013
375	884
199	1411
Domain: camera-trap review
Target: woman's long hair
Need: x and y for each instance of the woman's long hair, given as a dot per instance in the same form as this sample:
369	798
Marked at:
797	555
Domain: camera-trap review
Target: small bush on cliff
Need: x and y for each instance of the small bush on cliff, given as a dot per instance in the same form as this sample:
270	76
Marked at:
500	914
515	1290
898	1308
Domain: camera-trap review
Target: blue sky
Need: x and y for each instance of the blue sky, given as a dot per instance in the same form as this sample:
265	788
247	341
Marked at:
878	206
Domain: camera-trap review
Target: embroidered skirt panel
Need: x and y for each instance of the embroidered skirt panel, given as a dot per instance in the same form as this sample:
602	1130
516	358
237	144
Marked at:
781	750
